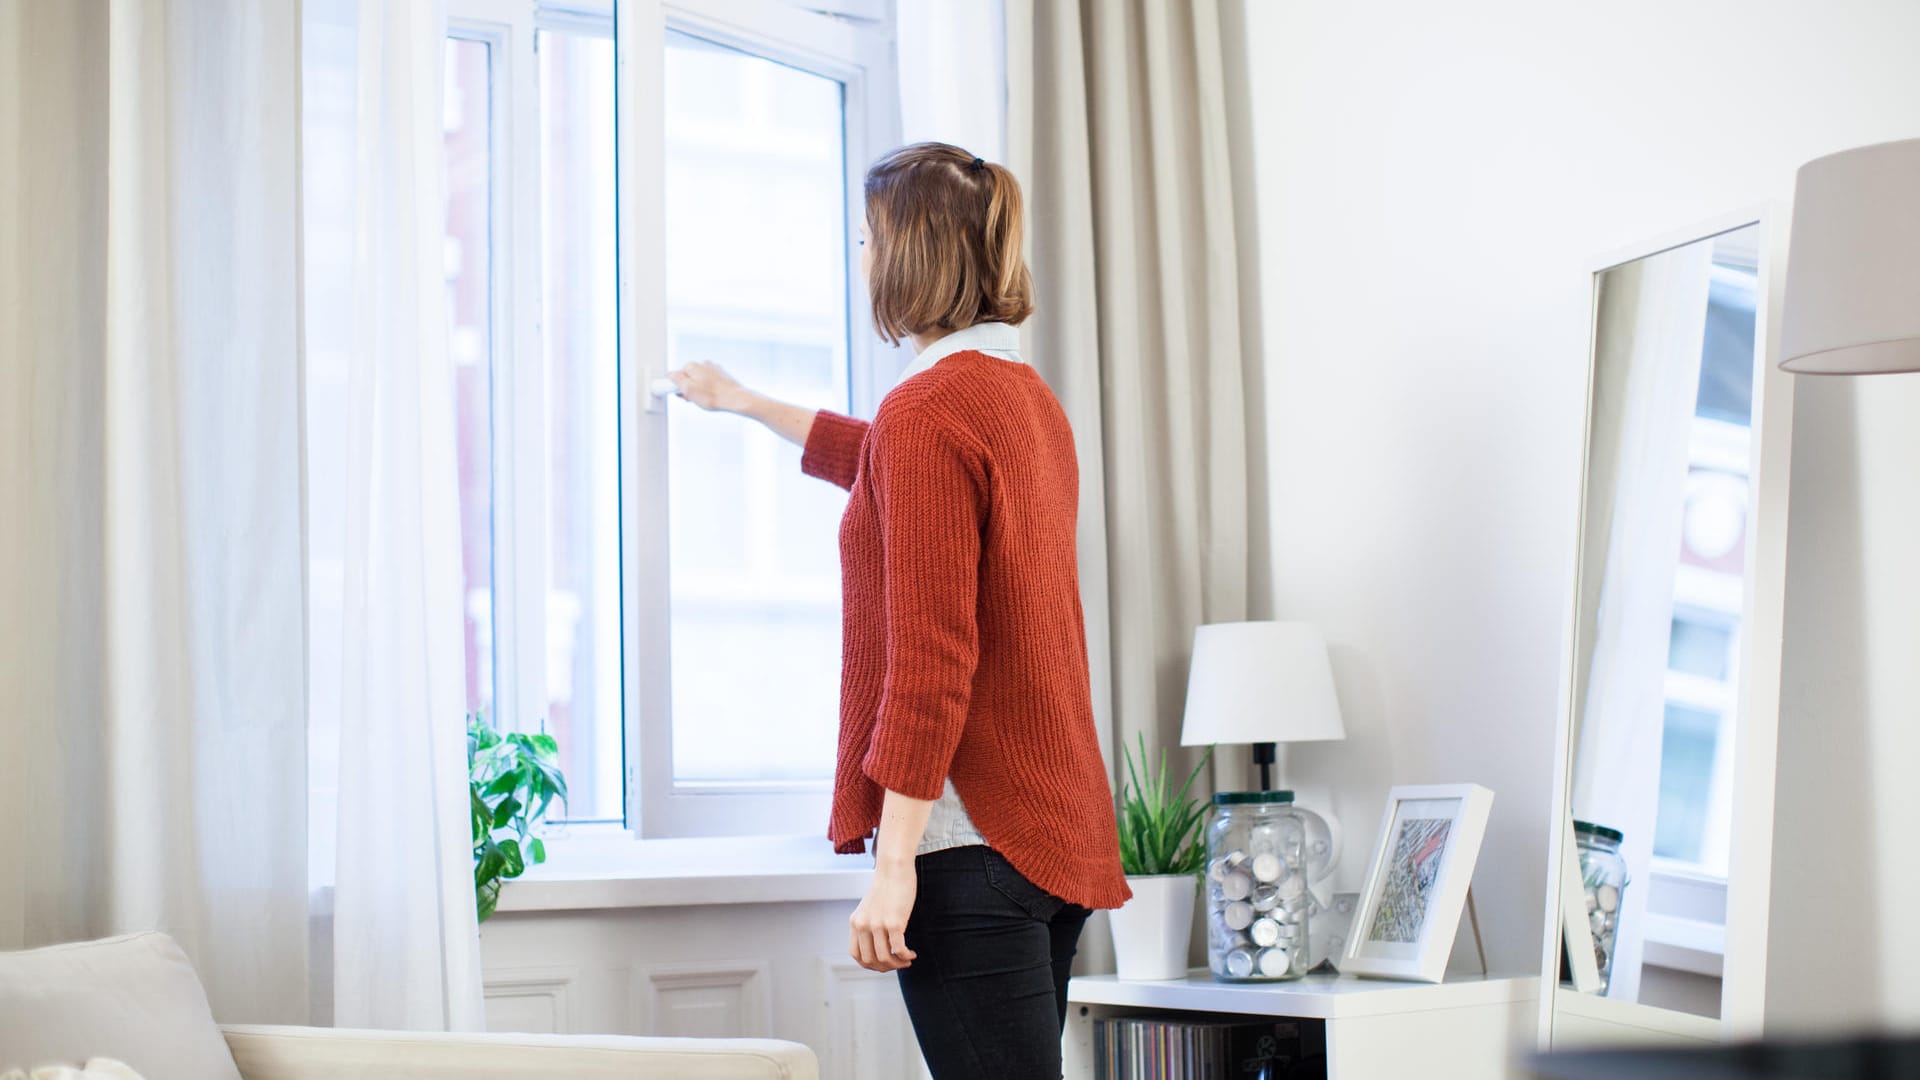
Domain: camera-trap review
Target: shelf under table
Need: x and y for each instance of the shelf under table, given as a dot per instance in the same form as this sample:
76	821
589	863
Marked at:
1470	1028
1320	997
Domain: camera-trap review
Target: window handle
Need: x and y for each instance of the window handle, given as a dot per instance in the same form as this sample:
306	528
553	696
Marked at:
658	391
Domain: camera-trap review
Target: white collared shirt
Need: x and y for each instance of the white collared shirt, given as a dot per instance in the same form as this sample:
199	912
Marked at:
948	824
996	339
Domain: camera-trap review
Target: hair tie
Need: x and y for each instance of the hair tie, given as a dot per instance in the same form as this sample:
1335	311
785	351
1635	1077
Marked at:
978	164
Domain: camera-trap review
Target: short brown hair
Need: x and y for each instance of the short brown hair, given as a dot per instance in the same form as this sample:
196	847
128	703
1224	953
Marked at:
947	234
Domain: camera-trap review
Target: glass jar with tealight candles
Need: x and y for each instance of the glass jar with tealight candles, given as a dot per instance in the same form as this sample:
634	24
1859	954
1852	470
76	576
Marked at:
1604	873
1256	887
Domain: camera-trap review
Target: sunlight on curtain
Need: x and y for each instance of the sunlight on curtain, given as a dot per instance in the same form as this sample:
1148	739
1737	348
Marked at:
391	849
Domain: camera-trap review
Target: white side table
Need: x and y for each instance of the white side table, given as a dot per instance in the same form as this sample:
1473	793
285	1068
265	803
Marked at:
1474	1028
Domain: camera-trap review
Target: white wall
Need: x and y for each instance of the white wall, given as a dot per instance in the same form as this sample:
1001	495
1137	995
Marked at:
1432	181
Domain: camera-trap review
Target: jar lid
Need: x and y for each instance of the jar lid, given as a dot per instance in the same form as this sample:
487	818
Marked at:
1590	829
1242	798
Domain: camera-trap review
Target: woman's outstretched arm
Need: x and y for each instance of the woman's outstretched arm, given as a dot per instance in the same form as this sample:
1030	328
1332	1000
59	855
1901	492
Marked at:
832	442
711	388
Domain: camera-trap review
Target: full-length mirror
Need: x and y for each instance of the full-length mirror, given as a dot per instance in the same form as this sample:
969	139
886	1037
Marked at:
1674	645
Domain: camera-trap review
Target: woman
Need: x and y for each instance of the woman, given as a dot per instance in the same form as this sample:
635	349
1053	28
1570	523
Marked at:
966	723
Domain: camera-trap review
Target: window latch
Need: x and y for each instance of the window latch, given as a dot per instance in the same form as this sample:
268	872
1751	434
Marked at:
658	391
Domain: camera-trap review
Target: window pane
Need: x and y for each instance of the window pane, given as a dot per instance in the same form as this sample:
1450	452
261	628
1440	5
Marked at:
1726	356
578	323
1686	782
756	273
1700	648
468	142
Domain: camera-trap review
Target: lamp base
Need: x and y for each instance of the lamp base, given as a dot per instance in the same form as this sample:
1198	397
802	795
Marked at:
1324	832
1263	756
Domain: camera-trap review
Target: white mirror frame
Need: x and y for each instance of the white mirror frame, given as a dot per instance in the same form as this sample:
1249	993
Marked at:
1750	858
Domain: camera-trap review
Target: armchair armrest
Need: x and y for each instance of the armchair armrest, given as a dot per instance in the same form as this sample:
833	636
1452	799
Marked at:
305	1053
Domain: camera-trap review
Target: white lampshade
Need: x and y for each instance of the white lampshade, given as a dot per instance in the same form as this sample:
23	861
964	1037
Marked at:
1258	682
1853	266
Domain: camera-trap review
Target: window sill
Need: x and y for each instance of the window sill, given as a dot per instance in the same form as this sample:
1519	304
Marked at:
1686	921
1685	945
589	870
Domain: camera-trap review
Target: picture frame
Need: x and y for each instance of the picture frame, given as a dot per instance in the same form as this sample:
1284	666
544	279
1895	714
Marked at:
1417	882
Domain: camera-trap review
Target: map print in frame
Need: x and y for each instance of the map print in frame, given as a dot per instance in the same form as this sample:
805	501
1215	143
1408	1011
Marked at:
1418	852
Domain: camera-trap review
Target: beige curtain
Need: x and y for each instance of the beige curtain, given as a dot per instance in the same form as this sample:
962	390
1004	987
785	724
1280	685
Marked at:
152	653
1117	126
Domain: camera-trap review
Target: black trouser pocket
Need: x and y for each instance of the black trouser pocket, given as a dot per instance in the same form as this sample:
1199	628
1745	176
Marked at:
1014	885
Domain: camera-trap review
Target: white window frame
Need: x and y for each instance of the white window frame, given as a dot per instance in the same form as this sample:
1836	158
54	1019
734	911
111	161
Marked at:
1686	901
857	52
849	41
519	475
518	394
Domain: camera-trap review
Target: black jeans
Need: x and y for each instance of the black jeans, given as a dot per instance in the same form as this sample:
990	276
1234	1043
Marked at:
987	990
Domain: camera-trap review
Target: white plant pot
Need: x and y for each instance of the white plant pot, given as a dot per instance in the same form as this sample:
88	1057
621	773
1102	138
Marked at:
1151	931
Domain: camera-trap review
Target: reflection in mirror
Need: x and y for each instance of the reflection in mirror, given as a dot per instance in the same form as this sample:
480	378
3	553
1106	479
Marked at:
1660	614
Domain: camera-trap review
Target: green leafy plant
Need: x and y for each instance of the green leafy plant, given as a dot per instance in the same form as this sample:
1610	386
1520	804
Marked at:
513	779
1160	828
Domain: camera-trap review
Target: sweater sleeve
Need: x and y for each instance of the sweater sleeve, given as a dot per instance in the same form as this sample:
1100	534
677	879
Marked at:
833	448
930	493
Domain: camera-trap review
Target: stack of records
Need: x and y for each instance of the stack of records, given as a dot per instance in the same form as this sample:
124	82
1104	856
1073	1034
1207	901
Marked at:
1149	1048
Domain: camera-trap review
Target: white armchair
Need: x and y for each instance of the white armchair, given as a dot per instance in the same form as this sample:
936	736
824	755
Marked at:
136	998
298	1053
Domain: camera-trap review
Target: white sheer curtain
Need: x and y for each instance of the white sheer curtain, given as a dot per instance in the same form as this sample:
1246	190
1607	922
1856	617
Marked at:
152	651
388	694
953	74
154	658
1648	336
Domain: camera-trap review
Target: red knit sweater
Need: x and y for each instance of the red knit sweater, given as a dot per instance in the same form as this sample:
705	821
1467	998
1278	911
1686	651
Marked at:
965	651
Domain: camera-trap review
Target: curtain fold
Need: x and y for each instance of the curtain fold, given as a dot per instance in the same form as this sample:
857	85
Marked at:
151	699
389	699
1117	126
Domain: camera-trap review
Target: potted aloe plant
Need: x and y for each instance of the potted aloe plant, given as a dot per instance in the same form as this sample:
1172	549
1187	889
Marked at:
1162	853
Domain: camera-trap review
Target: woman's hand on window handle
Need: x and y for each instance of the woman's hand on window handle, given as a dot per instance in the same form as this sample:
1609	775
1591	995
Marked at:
709	386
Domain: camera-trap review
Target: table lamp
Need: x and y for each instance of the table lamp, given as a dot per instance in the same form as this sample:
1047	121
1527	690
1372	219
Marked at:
1261	683
1852	304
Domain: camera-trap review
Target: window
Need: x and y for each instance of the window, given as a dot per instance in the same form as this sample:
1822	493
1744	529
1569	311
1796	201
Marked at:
756	281
658	587
579	327
1692	823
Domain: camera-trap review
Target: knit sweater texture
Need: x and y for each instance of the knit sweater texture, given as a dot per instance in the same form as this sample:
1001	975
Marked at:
965	651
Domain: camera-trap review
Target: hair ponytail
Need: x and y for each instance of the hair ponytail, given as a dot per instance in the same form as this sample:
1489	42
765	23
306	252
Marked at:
1005	236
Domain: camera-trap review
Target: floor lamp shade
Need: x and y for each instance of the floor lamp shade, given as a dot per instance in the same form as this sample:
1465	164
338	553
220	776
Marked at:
1260	682
1852	302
